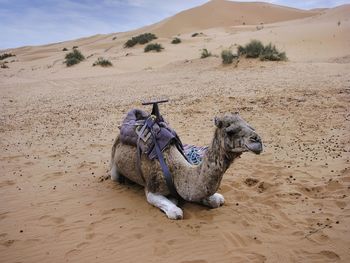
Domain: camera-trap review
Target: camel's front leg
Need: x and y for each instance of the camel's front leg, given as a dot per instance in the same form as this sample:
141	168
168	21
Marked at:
214	200
163	203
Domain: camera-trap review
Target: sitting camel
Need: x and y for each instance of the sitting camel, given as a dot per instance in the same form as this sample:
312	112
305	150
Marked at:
194	183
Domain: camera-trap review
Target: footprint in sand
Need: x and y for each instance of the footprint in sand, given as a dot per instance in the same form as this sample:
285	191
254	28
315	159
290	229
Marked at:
52	219
83	244
72	253
2	235
3	215
323	256
235	239
7	183
161	250
251	181
8	243
90	236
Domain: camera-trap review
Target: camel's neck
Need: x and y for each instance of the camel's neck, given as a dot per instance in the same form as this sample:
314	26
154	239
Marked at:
206	178
215	163
216	157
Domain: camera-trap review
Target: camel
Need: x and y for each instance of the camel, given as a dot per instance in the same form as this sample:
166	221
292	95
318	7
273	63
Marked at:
194	183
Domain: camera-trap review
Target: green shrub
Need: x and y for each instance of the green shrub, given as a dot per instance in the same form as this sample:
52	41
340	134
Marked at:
140	39
205	53
227	56
271	53
73	58
153	46
6	55
176	40
255	49
64	49
102	62
251	50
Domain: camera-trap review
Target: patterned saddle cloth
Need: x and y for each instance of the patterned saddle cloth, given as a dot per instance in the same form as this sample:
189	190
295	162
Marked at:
194	154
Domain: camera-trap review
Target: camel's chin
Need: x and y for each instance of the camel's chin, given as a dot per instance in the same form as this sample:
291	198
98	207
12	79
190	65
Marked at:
255	147
239	150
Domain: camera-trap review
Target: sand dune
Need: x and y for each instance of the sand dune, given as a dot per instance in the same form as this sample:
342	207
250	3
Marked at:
321	36
290	204
219	13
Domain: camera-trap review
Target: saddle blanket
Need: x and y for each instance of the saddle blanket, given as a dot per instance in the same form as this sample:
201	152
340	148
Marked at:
194	154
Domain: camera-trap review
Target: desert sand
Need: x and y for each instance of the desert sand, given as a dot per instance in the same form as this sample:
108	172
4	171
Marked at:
289	204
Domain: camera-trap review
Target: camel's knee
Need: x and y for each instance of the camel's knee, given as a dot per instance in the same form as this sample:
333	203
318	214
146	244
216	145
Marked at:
214	201
164	204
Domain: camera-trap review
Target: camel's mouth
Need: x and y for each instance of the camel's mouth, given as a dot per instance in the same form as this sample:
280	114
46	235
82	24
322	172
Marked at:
255	147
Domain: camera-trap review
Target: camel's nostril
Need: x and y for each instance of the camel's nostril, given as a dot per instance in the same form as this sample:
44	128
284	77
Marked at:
254	138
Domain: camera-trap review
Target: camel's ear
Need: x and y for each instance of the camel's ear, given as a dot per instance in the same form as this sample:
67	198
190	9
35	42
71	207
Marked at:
218	122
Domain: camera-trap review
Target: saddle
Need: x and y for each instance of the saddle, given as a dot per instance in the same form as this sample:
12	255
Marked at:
135	131
151	135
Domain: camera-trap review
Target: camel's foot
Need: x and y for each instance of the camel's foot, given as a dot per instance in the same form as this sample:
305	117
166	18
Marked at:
164	204
173	200
214	201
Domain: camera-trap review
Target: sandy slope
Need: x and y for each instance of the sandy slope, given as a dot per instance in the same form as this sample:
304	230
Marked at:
221	13
291	204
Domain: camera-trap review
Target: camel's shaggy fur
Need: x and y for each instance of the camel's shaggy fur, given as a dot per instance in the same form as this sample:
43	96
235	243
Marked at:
194	183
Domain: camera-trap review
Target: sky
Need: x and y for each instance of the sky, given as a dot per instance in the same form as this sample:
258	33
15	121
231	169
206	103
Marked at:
37	22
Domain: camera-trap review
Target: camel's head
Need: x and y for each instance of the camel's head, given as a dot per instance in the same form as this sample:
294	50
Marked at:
238	135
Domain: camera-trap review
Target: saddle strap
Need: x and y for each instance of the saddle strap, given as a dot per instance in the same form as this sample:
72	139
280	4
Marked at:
167	175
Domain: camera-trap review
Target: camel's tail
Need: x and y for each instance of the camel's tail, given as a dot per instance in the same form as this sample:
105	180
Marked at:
116	141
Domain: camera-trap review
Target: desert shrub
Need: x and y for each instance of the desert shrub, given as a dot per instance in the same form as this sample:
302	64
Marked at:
3	65
153	46
102	62
176	40
64	49
240	50
140	39
114	38
270	52
227	56
73	58
6	55
255	49
251	50
75	47
261	27
195	34
205	53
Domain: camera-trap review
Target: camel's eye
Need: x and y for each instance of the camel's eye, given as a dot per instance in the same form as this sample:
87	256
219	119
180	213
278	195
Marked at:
232	130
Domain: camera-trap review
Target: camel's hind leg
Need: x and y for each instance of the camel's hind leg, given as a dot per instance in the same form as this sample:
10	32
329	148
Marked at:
214	200
115	175
164	204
